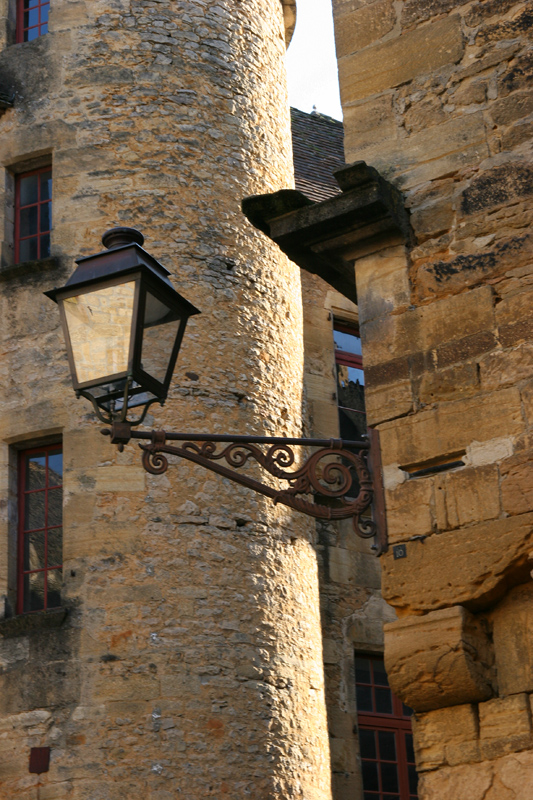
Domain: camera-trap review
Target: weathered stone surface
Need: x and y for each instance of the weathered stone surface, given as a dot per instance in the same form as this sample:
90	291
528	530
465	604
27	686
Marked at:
519	24
388	402
472	567
440	278
435	152
424	328
506	778
451	427
441	659
382	283
514	107
385	66
446	736
512	622
505	725
448	384
472	495
369	122
486	9
364	26
517	488
419	10
409	510
497	187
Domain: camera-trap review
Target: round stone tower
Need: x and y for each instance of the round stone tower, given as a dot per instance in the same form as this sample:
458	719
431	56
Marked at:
189	661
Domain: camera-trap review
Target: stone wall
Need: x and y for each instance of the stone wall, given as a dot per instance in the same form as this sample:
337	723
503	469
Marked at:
436	96
190	661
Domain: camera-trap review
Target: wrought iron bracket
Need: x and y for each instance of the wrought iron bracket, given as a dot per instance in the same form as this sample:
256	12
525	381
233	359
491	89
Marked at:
332	483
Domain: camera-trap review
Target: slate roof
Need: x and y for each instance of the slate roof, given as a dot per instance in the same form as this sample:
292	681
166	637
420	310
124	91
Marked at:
317	145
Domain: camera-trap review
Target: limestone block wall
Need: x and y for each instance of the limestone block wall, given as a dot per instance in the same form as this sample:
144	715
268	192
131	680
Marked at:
190	662
437	97
352	609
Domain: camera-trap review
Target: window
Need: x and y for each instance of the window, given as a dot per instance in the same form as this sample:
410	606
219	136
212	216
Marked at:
33	214
40	537
385	737
350	381
32	19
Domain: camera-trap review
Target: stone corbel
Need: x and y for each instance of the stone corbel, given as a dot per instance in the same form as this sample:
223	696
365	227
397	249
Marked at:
440	659
326	238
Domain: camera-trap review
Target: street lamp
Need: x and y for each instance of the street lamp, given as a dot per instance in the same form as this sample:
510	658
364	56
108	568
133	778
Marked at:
123	324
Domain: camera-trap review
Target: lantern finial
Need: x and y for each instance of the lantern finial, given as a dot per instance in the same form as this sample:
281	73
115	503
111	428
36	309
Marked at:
120	237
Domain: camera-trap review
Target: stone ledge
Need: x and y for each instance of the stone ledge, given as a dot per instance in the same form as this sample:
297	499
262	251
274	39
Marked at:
9	271
24	624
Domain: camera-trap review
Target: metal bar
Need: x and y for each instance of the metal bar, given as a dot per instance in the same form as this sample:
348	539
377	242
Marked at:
208	437
379	492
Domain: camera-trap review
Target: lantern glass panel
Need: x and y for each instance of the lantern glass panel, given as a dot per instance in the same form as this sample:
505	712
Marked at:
161	325
99	325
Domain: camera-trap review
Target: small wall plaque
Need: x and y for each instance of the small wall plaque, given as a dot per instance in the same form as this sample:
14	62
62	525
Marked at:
399	551
39	759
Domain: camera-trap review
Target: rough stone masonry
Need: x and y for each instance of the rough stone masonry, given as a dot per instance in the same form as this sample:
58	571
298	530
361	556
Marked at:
190	662
437	96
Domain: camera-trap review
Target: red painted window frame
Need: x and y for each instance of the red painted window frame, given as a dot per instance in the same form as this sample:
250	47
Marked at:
22	492
21	30
341	356
397	722
18	209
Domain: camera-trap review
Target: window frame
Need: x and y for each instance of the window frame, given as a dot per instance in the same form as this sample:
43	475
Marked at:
21	532
397	722
19	176
21	30
341	356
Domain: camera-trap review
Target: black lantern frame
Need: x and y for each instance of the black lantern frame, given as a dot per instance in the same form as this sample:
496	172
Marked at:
113	394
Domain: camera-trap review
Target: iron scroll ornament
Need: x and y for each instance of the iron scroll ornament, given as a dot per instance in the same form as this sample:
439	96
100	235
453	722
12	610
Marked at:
327	474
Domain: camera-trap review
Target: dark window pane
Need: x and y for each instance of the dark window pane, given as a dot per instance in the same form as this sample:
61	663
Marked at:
383	701
406	711
370	776
28	249
367	743
35	472
391	797
54	580
352	424
55	469
413	779
389	777
348	342
46	185
34	592
55	507
33	33
29	190
362	670
55	547
34	505
34	547
380	676
28	221
363	696
45	246
371	796
46	208
387	746
409	747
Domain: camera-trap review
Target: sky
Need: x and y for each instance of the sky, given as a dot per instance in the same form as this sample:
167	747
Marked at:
311	63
